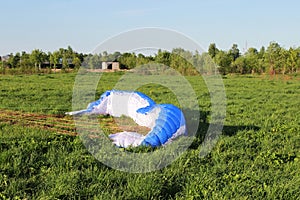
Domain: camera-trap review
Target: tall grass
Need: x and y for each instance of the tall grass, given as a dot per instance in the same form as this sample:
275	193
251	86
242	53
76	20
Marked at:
257	156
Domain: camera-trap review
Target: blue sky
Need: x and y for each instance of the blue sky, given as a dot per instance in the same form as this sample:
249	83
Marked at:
83	24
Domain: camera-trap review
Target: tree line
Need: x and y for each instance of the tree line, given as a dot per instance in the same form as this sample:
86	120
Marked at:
273	59
37	61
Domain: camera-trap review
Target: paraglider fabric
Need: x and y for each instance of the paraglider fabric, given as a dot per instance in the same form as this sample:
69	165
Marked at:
165	121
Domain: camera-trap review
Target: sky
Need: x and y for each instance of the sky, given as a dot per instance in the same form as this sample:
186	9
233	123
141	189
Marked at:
83	24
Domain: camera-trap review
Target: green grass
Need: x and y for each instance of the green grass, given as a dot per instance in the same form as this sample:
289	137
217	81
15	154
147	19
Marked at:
257	156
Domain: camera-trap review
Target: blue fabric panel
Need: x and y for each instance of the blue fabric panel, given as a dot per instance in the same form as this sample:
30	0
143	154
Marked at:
144	110
162	135
163	122
150	101
152	140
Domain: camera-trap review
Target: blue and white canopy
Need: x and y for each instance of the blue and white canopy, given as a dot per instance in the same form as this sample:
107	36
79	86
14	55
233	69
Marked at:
165	121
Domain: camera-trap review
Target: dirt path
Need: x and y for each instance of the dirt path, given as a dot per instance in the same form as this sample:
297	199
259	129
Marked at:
65	124
57	123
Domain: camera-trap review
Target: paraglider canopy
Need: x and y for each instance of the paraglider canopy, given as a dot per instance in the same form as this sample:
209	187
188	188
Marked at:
165	121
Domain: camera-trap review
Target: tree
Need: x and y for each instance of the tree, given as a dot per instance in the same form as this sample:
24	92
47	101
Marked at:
163	57
213	50
252	60
94	62
282	60
69	52
234	52
104	56
76	62
128	60
25	60
142	59
37	57
65	63
240	66
208	64
272	56
262	52
14	60
114	56
293	60
54	59
223	60
198	62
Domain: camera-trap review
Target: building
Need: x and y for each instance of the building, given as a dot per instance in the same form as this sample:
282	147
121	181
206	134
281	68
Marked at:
5	58
111	65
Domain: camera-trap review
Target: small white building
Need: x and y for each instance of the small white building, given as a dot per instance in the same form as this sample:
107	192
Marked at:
5	58
111	65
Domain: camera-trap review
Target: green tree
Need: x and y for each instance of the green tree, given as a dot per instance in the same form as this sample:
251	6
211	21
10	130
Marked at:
94	62
114	56
240	66
223	60
253	61
14	60
213	50
282	61
37	57
163	57
25	61
209	65
234	52
142	59
272	56
262	52
104	56
54	59
76	62
65	63
293	60
69	52
128	60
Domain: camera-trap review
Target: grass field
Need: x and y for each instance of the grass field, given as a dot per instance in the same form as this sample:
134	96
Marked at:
257	156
